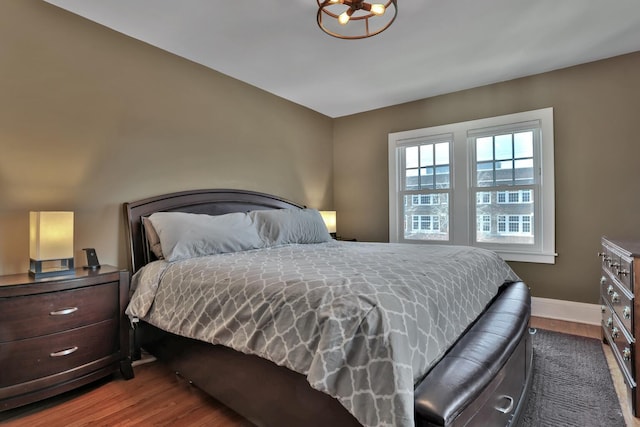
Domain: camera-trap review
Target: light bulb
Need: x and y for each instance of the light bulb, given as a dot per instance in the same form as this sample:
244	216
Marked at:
377	9
343	18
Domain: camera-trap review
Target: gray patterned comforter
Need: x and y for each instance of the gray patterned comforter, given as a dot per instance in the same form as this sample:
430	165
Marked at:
363	322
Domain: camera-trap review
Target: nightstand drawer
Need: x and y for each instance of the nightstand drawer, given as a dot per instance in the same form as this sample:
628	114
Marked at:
42	314
34	358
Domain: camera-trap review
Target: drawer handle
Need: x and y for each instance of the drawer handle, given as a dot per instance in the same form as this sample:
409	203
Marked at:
64	311
509	406
615	332
623	273
626	354
615	297
609	322
626	312
603	280
610	289
64	352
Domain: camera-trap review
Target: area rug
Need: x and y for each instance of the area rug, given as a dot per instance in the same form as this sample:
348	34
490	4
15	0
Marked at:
571	384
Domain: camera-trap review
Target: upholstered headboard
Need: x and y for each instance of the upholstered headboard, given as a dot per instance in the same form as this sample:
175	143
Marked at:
212	202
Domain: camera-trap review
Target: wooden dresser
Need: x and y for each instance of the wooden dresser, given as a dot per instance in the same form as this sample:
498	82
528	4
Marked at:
619	282
60	333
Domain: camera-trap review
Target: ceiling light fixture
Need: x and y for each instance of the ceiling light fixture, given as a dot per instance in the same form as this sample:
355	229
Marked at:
355	19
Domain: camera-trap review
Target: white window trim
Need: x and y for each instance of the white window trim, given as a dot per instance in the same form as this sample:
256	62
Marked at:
461	230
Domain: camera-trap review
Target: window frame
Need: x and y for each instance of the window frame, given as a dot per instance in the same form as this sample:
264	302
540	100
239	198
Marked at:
462	219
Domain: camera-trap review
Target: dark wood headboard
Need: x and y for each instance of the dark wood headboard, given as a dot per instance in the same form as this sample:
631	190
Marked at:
211	202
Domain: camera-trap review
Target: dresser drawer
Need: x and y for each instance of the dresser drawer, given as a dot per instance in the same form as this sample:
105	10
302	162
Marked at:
625	272
619	299
36	315
619	265
621	343
33	358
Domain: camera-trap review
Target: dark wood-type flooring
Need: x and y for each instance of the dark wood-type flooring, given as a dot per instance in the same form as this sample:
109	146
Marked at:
158	397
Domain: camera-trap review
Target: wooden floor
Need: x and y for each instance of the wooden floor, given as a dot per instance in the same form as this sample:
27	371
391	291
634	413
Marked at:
157	397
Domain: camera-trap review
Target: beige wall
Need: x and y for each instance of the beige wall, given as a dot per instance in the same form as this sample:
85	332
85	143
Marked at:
90	119
597	170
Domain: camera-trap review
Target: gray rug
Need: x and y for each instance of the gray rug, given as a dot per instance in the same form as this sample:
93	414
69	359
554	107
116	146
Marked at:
571	384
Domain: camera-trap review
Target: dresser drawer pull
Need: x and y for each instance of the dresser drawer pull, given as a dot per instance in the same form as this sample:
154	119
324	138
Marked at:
64	311
609	322
623	273
626	354
626	312
615	297
509	406
64	352
610	289
615	332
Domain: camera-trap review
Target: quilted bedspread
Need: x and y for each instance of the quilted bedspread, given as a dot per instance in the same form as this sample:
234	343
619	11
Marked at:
364	322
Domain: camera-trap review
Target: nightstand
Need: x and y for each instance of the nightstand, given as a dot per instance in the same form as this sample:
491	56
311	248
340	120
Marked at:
59	333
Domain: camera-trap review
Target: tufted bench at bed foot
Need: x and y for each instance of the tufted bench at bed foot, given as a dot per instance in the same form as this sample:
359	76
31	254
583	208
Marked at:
483	380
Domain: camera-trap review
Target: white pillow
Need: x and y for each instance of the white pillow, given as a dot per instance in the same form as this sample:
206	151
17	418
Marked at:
186	235
284	226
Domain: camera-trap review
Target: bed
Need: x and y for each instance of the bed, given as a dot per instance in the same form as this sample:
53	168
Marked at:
294	328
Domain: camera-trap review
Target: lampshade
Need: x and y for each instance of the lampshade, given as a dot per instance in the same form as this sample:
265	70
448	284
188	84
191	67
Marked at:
355	19
50	243
329	218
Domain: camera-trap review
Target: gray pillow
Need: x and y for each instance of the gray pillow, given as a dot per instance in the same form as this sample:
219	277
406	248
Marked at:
284	226
185	235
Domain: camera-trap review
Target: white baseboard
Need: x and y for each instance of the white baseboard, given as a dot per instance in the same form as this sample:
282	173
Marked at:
566	310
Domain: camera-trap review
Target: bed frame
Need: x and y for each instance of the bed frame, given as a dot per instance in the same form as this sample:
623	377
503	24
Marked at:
482	380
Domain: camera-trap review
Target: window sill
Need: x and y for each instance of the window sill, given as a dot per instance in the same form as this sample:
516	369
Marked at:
540	258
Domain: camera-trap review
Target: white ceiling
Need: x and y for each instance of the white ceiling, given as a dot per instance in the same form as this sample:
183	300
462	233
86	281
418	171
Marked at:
433	47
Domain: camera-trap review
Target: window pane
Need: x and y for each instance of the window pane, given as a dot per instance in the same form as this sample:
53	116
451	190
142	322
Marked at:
523	144
411	155
411	179
428	219
507	218
504	173
442	177
503	147
524	172
484	149
426	155
442	153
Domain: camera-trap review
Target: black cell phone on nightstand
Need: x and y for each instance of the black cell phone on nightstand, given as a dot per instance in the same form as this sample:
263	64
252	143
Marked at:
92	259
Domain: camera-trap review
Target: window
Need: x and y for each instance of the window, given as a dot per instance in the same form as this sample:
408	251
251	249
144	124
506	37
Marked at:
513	225
483	197
520	196
425	223
426	184
484	223
425	199
486	183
